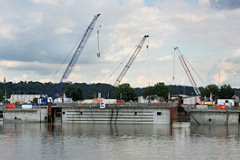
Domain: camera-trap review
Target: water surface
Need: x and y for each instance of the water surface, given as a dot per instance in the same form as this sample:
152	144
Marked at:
118	142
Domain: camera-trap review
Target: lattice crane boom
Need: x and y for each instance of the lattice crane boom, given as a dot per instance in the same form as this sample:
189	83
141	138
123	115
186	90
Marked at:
130	61
77	53
79	49
188	72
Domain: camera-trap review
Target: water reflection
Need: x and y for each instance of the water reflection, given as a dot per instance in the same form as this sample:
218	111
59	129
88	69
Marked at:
215	131
104	141
115	130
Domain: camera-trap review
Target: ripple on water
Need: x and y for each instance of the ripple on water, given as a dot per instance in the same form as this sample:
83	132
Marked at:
88	141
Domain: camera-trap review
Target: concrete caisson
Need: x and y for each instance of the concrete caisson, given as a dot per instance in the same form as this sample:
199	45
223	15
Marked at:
118	114
26	115
214	117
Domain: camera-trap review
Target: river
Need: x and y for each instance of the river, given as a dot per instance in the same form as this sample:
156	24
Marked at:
28	141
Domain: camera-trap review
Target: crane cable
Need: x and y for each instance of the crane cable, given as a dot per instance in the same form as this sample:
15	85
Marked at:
63	63
193	70
116	68
173	78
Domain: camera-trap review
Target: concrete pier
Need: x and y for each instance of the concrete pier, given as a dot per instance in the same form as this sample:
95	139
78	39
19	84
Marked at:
215	117
119	114
164	113
25	115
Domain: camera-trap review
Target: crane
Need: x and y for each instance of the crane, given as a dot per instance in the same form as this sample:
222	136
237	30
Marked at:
76	54
130	61
187	70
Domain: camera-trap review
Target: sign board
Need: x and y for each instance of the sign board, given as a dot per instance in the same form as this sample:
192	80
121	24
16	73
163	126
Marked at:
99	95
102	105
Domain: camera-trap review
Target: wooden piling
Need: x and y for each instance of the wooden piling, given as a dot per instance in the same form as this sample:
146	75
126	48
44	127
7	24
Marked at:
173	115
49	112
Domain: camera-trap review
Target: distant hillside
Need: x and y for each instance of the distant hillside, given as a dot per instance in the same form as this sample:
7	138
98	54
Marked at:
88	90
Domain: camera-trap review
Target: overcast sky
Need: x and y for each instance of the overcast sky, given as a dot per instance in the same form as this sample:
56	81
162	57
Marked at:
36	36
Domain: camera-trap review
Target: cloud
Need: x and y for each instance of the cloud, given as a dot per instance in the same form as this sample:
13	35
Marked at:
225	4
37	35
35	17
220	77
2	75
235	58
190	17
62	30
52	2
21	66
166	58
142	81
7	32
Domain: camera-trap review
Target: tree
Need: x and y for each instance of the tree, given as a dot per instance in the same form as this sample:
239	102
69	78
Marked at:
212	88
149	93
74	92
125	92
35	100
161	90
1	96
226	92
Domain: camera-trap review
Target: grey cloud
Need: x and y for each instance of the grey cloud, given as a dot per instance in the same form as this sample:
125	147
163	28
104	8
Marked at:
225	4
39	42
43	70
234	60
238	72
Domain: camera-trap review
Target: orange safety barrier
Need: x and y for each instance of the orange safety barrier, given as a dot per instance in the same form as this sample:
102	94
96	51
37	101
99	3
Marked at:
120	101
97	100
10	106
221	107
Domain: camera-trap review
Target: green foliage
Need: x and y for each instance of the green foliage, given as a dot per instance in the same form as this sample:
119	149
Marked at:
126	91
88	90
35	100
158	90
1	96
212	88
186	90
149	93
74	92
226	92
161	90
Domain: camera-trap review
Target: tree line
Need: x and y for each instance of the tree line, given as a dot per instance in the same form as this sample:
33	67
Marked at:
123	91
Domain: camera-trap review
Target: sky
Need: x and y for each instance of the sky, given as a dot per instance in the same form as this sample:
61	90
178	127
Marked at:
38	39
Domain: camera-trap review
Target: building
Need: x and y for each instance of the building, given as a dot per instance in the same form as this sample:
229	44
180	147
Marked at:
24	98
228	102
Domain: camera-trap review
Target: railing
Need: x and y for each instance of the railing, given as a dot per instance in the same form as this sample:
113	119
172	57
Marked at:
210	108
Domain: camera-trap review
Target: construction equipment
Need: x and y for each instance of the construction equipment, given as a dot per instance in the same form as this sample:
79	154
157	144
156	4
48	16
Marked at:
187	70
76	54
130	61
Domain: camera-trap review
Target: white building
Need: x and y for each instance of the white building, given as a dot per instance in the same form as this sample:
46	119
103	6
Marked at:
24	98
228	102
192	100
60	100
143	100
